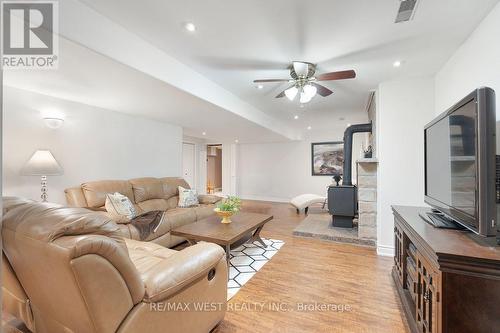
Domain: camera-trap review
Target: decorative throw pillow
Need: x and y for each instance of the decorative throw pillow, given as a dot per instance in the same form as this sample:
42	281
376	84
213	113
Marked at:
120	205
187	197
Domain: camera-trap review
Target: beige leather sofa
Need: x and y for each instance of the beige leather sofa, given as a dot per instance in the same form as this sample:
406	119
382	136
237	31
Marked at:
147	194
69	270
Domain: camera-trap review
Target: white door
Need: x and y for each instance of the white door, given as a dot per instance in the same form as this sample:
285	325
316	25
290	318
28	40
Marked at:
188	163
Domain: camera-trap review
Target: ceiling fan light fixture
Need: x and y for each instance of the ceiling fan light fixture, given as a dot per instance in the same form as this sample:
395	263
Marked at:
304	97
310	90
291	93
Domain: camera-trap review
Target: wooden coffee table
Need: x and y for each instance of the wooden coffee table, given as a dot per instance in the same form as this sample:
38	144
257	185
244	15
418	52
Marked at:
245	228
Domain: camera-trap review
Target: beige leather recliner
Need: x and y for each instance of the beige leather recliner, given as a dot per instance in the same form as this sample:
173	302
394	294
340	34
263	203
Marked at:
146	194
69	270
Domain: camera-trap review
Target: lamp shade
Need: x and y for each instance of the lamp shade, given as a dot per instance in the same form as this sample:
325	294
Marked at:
42	163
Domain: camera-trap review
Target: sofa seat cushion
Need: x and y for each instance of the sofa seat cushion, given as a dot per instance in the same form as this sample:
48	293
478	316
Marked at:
203	211
164	271
180	216
146	255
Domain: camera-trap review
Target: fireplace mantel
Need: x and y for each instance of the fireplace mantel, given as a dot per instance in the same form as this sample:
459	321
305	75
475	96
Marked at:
367	160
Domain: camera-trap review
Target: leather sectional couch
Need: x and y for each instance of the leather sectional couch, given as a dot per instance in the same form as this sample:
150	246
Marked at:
146	194
70	270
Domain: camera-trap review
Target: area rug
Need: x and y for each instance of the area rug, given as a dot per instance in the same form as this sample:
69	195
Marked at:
248	259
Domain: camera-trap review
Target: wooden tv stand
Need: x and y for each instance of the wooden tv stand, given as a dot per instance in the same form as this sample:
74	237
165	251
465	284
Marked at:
448	280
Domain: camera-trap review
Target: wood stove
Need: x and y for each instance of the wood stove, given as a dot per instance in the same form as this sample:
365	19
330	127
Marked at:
343	199
343	205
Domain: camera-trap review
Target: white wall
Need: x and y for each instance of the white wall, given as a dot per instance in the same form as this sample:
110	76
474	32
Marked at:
403	109
93	144
280	171
476	63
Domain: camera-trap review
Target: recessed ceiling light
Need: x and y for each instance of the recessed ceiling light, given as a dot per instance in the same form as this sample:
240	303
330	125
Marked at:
203	133
53	123
295	117
260	86
190	27
396	63
309	127
236	140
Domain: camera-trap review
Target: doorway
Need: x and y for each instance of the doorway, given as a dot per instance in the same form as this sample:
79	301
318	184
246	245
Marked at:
214	169
188	163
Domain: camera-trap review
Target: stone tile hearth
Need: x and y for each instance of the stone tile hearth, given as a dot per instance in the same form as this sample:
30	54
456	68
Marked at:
320	226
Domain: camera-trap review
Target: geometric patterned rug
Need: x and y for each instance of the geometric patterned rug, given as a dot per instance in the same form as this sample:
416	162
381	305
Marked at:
246	260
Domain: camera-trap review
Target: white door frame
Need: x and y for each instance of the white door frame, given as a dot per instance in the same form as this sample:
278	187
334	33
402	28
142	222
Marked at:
195	180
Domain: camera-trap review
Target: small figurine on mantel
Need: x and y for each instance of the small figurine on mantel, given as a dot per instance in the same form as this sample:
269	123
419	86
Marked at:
337	177
368	152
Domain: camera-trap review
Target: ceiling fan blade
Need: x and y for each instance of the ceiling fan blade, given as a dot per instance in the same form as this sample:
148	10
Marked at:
271	80
340	75
321	90
282	94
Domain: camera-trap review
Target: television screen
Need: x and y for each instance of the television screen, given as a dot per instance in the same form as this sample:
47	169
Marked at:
460	168
451	160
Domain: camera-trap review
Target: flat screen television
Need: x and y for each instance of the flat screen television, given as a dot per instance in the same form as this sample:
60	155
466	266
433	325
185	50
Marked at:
460	152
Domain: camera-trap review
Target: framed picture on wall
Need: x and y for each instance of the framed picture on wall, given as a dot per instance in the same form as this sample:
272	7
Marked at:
327	158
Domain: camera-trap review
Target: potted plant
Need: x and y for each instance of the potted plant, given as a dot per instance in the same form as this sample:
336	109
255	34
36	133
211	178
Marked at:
227	207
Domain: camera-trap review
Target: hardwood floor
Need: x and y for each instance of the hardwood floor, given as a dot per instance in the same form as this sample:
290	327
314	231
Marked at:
309	271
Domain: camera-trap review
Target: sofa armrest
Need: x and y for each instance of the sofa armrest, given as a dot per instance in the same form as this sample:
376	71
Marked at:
180	270
206	199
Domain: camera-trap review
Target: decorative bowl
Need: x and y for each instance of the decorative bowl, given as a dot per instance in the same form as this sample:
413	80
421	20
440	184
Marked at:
225	214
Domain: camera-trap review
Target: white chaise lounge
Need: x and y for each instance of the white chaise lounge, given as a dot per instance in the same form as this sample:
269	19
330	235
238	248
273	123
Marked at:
303	201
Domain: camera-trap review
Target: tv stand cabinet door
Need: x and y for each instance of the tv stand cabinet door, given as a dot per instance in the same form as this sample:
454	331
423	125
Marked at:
470	301
399	258
428	289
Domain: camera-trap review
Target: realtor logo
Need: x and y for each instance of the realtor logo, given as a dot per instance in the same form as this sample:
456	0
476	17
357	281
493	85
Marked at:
29	34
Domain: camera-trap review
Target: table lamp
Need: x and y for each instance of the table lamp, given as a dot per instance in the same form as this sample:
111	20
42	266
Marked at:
43	164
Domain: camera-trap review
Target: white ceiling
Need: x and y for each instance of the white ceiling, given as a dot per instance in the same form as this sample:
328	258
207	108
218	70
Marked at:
239	41
107	84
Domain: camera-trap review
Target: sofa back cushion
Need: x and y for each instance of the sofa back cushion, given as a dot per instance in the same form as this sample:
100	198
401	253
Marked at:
171	186
95	192
146	193
146	189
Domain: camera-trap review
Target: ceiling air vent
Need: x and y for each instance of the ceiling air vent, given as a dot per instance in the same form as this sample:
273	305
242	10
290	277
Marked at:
406	10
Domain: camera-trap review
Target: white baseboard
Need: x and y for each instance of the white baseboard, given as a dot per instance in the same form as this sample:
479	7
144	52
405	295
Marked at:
264	198
383	250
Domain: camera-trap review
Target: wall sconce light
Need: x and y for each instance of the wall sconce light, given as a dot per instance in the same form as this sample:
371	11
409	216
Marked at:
53	123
